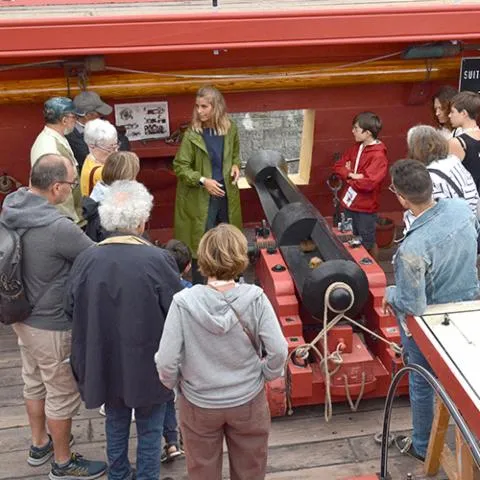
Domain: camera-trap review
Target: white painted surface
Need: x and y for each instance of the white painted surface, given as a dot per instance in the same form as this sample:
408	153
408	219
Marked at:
458	342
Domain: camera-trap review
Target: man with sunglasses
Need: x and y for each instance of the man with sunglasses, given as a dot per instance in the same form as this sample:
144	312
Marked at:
59	116
50	244
435	263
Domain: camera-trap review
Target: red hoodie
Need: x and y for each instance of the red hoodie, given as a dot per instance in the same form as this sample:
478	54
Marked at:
373	164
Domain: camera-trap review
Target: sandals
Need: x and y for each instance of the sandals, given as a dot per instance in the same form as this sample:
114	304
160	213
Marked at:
170	453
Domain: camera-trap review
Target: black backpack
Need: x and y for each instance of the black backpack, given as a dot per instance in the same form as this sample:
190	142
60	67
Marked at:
14	306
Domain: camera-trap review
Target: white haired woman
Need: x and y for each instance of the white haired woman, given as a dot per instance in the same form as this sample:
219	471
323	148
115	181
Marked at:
102	140
118	295
450	178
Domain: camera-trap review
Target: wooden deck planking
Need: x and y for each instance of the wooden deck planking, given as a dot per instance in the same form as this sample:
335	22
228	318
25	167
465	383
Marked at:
10	359
398	468
285	459
11	395
88	426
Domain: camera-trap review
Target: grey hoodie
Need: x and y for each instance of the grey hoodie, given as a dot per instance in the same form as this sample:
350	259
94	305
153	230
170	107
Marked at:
50	243
205	349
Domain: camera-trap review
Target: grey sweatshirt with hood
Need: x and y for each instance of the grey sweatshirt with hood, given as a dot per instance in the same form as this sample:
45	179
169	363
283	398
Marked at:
50	243
205	349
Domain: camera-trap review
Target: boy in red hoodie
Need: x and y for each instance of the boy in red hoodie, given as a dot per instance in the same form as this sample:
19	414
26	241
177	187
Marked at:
362	169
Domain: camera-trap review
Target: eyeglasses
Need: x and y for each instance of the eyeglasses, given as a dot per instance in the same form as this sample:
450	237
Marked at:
73	185
392	188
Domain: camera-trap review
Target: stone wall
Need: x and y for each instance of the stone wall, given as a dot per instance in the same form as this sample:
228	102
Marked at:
276	130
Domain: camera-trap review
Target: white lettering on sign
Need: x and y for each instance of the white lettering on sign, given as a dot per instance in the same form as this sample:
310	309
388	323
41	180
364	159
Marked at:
471	74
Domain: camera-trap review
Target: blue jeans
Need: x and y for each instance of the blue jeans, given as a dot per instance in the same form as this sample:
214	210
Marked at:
217	212
364	224
149	430
421	395
170	424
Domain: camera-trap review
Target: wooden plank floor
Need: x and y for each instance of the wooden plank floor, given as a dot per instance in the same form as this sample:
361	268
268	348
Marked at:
302	446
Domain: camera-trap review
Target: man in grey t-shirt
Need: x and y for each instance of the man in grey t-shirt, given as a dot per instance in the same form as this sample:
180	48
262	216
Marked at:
50	244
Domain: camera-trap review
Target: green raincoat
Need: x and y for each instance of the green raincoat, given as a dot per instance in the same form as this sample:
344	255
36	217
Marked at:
191	203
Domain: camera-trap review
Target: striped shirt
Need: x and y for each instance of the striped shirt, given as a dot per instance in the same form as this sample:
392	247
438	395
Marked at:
459	175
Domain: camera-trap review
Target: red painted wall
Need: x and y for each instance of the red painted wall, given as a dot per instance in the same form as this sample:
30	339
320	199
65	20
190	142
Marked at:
335	108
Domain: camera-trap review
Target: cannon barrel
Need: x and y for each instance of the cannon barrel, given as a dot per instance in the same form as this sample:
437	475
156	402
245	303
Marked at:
294	220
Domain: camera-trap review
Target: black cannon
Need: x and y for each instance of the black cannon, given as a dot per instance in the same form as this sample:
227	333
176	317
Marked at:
295	222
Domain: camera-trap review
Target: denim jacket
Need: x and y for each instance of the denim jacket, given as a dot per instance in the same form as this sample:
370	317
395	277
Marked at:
437	260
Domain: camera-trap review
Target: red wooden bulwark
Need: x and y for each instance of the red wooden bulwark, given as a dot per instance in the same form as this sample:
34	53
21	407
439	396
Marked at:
80	35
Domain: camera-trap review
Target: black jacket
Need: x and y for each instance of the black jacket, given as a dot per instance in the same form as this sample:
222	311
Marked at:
93	229
78	146
118	297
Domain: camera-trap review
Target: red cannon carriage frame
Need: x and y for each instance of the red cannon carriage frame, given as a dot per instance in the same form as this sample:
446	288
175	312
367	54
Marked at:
368	363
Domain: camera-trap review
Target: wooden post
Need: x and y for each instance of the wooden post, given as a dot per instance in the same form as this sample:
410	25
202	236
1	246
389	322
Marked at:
457	467
437	438
466	467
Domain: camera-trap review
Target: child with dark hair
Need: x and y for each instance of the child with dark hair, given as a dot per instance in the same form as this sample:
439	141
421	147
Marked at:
171	450
183	257
363	169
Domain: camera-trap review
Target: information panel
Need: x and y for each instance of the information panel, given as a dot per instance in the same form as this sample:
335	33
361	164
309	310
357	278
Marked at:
470	75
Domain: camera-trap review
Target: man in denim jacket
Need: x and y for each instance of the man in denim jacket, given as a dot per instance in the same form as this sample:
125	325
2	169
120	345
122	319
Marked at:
436	263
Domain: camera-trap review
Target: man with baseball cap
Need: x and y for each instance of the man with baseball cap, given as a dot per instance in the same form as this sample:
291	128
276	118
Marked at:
88	106
59	114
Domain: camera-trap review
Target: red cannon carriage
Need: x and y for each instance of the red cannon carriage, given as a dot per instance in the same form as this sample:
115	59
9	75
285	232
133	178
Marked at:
327	293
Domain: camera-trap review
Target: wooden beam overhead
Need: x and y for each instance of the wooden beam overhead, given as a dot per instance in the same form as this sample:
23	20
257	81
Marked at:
129	85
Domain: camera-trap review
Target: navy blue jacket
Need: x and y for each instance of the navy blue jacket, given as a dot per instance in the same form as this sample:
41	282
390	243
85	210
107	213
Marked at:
118	297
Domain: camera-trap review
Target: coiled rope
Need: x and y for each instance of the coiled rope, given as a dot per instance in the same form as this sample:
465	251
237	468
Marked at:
302	352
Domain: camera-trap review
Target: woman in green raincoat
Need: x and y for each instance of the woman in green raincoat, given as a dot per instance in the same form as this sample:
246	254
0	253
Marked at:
207	166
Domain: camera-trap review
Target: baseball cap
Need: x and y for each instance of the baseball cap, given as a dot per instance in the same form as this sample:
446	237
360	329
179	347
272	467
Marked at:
56	107
91	102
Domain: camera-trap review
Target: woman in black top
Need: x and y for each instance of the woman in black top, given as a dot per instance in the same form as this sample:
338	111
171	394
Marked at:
463	113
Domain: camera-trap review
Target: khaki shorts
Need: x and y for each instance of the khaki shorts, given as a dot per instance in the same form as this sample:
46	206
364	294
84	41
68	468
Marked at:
46	370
